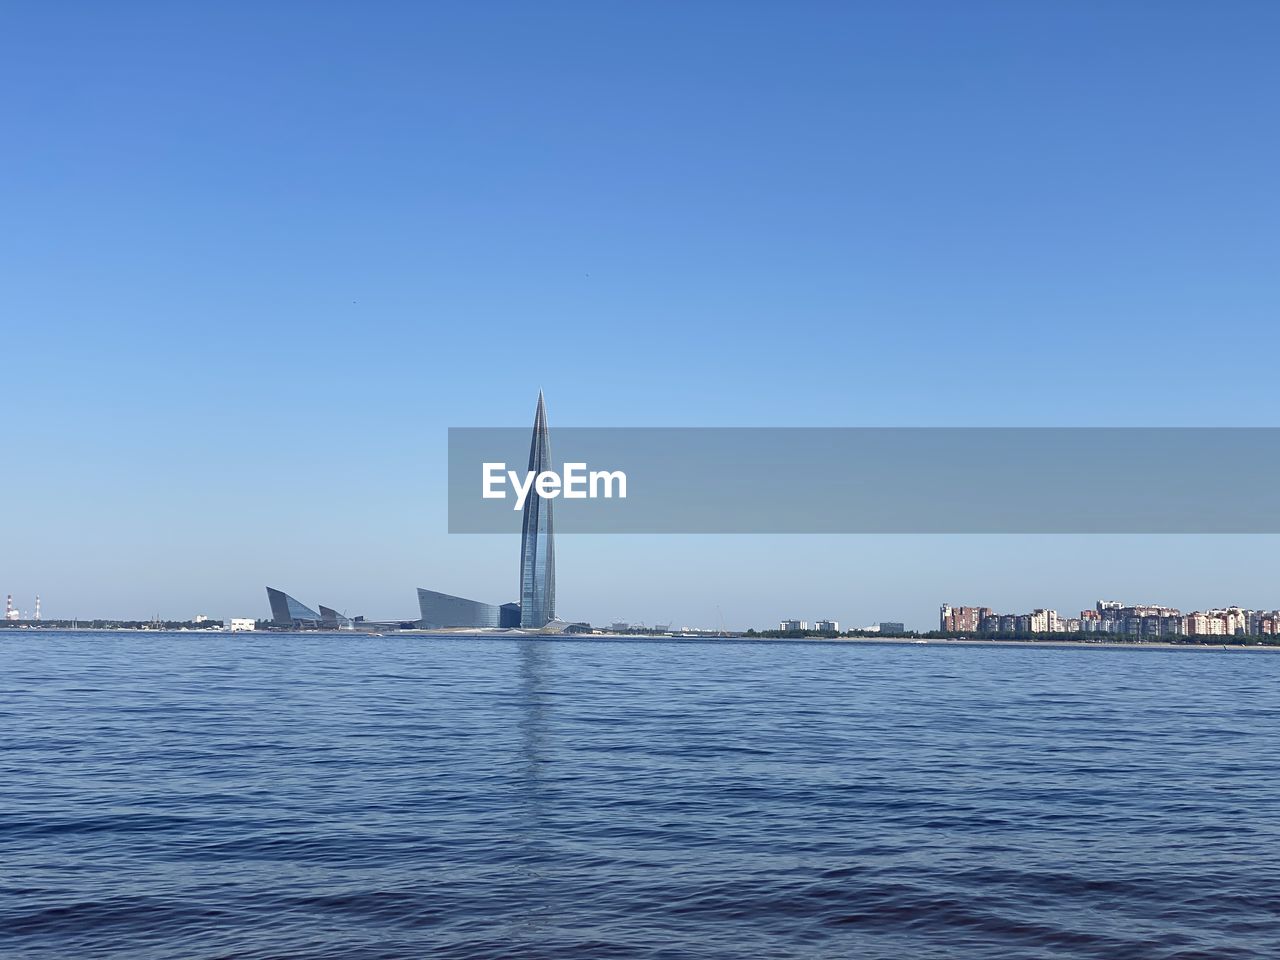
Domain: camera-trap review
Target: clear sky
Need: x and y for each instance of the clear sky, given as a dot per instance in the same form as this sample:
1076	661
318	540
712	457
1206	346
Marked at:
257	258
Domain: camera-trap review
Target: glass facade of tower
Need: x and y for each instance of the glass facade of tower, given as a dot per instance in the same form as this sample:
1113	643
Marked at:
537	537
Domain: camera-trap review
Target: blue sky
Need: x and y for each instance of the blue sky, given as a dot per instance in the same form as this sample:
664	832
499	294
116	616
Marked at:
257	260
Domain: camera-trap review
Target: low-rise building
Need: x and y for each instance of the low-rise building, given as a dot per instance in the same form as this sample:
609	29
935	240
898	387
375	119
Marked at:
241	624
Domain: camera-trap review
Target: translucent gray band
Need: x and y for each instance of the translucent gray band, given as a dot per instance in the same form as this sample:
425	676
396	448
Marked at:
892	480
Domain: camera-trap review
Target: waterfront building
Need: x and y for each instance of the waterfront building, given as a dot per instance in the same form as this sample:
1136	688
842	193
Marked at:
288	612
537	535
892	628
331	619
1113	617
793	626
242	624
1228	622
1139	620
1206	625
1237	621
827	626
436	609
537	606
445	610
962	619
1044	621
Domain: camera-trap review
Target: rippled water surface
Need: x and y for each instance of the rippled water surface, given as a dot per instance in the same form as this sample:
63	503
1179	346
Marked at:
321	796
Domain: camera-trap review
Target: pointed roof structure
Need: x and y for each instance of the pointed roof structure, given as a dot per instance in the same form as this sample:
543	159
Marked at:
537	535
288	612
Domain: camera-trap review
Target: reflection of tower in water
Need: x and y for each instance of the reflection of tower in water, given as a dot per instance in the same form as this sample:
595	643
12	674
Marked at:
532	725
532	849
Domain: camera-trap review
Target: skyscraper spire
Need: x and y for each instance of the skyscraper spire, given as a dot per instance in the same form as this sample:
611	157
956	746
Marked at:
537	544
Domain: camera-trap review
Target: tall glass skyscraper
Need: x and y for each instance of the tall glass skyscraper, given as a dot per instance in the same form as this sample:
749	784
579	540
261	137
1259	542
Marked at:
537	544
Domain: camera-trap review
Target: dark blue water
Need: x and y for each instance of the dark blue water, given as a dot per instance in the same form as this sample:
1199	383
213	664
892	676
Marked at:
307	797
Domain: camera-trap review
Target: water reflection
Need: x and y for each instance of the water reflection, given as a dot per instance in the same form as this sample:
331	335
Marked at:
532	720
533	849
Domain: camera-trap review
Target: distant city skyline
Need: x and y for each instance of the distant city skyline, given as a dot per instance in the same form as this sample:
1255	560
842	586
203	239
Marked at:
1060	618
243	306
1115	617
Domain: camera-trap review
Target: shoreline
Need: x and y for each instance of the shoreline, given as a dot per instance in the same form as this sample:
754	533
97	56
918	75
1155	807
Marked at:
1055	644
518	634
